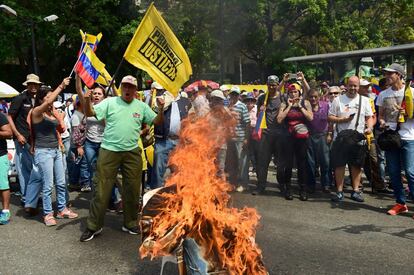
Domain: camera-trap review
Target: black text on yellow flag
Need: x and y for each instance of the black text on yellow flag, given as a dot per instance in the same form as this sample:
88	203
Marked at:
156	50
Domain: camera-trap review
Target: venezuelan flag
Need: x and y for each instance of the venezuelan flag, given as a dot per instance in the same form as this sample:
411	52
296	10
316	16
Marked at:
376	89
261	121
89	66
90	40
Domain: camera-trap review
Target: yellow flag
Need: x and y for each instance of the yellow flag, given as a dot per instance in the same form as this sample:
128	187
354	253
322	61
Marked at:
409	103
104	78
155	49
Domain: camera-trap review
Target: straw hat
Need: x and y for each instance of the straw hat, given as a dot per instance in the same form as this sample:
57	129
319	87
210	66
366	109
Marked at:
32	78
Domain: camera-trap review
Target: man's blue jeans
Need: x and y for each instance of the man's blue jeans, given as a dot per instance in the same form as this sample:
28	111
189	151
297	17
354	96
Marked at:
91	153
33	187
381	162
397	160
24	162
193	258
50	164
318	152
66	157
162	150
79	172
237	153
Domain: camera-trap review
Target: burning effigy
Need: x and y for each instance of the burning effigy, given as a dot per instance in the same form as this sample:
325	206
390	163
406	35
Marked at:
190	217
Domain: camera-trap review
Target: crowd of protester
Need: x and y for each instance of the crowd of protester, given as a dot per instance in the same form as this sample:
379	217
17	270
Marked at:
91	142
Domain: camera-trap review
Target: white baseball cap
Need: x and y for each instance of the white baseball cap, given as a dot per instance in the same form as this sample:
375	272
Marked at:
217	93
364	82
157	86
224	88
235	89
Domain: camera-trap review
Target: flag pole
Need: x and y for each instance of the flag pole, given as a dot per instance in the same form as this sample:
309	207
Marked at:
80	53
73	69
114	75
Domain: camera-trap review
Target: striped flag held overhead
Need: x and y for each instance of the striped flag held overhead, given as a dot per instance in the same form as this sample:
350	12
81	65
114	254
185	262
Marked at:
89	67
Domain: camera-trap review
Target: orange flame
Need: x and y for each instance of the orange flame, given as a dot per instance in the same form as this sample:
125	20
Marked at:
199	209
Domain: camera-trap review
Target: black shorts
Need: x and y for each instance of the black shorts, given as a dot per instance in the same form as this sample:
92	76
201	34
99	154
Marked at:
342	154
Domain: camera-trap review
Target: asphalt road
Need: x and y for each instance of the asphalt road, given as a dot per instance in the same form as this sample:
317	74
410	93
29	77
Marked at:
313	237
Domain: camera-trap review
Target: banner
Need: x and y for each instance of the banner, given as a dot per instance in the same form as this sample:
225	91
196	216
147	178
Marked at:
155	49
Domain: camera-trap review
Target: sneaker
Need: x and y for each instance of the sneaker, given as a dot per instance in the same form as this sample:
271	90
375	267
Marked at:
356	196
66	213
398	209
240	189
288	195
49	220
133	230
17	194
86	189
338	197
303	196
4	217
88	234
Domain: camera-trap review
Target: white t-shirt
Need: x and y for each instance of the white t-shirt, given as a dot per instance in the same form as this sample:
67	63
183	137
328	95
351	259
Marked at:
76	118
343	106
390	101
66	134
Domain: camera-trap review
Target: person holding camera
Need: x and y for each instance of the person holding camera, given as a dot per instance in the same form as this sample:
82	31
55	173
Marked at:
351	113
296	112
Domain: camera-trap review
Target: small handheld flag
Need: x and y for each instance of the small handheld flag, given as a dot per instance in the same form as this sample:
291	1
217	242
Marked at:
89	66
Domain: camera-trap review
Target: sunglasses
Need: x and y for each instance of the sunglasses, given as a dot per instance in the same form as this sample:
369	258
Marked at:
334	93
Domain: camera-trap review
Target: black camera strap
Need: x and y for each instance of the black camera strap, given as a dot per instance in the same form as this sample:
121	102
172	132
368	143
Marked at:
359	111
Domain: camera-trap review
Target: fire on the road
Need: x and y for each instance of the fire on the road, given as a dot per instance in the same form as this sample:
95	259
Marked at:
198	206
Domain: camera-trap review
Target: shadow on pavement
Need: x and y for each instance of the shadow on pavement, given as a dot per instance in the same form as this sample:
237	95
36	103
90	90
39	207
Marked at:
368	228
